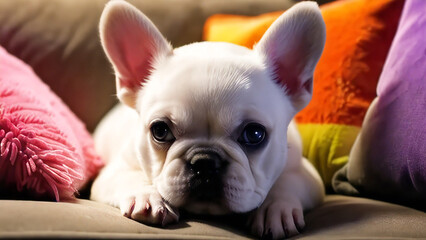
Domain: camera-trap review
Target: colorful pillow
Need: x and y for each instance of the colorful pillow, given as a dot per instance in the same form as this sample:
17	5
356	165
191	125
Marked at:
359	34
388	159
45	151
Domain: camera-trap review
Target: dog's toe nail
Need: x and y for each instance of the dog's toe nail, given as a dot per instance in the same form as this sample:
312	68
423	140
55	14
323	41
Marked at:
299	228
161	212
147	207
268	234
164	218
286	232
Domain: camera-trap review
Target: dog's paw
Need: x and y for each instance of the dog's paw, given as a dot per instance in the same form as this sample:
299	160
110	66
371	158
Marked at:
277	219
149	208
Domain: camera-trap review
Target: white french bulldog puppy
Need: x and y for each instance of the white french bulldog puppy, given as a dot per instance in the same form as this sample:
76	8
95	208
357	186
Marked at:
207	127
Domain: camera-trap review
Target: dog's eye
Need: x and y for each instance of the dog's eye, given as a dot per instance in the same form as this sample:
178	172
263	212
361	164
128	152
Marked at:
252	135
161	132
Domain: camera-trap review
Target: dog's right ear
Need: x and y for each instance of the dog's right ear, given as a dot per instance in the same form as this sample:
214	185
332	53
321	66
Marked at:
133	44
292	47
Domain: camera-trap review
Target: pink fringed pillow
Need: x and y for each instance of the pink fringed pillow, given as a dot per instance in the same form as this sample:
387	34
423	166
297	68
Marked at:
45	150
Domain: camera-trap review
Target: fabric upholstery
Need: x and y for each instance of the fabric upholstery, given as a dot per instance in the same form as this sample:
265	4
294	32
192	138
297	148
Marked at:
45	149
359	34
59	40
388	159
338	218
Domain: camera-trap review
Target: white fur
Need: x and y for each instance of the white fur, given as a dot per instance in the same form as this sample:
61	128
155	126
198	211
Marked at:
207	91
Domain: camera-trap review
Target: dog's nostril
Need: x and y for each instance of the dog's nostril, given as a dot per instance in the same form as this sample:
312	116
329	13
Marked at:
205	164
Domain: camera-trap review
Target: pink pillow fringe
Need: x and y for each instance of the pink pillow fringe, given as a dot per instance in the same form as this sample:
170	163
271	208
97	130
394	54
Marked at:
45	149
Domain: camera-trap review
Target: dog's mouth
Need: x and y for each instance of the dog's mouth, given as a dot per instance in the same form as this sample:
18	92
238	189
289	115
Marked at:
201	182
205	193
206	187
206	181
208	190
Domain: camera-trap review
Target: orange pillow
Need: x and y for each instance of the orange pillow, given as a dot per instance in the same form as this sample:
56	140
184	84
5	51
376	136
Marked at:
359	35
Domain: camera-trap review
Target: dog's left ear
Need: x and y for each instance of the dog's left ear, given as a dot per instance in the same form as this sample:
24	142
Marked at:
292	47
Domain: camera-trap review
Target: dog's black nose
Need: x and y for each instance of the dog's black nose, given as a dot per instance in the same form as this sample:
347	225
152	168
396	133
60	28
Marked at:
206	164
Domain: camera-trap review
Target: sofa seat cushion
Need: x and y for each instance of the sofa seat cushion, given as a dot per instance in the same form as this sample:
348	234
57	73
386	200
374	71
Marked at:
339	217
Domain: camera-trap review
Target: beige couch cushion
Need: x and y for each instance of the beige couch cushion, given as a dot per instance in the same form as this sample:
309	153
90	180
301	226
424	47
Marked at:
339	217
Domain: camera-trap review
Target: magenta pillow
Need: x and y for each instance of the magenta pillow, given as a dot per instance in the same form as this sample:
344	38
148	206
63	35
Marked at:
388	160
45	151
